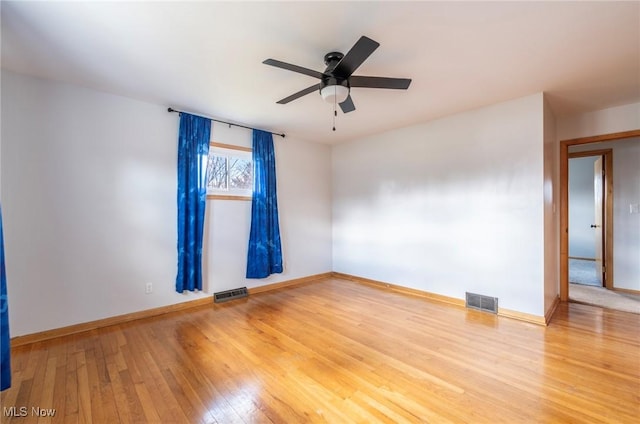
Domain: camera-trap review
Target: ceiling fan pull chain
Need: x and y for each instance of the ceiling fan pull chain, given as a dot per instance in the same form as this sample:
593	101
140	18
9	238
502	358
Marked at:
335	113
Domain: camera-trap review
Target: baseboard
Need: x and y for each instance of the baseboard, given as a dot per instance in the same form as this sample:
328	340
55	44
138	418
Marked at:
582	259
294	282
106	322
401	289
630	291
521	316
121	319
551	310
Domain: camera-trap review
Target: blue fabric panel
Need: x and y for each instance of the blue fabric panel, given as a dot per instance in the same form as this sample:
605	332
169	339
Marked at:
5	341
193	151
265	252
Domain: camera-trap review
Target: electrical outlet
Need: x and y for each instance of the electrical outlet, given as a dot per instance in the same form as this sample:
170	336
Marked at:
634	208
148	288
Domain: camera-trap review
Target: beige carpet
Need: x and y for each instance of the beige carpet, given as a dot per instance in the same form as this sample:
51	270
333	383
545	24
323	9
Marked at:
599	296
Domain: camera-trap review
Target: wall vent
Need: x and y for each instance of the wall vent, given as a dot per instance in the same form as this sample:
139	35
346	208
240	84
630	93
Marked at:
227	295
481	303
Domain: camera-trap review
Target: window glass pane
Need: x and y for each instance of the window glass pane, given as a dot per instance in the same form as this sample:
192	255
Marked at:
217	172
240	173
229	172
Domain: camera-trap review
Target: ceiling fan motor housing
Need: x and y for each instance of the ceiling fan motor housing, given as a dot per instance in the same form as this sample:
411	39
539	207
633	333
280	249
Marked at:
335	92
329	81
331	59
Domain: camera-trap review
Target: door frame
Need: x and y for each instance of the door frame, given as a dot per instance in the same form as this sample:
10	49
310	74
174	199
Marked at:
607	219
564	203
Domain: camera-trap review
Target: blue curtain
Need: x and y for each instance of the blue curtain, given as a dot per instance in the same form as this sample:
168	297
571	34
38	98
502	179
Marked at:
193	150
5	343
265	252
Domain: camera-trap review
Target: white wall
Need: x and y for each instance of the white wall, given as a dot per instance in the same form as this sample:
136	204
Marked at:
448	206
89	205
551	213
0	136
605	121
626	225
582	242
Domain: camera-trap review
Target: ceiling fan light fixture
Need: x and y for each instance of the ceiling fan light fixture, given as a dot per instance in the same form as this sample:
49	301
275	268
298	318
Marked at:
334	93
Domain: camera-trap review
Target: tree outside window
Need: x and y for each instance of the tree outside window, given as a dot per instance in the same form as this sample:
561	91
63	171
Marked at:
229	171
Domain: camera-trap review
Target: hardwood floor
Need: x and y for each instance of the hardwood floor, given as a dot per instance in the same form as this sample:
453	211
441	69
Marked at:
336	351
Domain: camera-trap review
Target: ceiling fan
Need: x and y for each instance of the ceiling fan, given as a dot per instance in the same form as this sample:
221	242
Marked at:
337	79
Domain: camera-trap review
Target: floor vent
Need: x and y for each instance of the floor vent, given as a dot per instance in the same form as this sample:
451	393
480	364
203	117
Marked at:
481	303
225	296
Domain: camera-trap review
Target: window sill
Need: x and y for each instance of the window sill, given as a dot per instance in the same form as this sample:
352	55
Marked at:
226	197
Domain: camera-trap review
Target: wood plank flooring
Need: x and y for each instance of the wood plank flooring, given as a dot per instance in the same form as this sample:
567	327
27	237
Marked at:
339	352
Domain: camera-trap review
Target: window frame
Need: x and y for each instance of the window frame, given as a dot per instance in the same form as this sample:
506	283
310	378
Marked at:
229	196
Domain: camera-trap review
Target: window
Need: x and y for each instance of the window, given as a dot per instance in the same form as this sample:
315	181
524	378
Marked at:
229	172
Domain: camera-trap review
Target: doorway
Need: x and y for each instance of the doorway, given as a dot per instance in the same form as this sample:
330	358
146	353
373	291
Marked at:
564	209
590	218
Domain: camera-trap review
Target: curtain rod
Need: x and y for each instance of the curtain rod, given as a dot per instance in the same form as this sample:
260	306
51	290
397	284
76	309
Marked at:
225	122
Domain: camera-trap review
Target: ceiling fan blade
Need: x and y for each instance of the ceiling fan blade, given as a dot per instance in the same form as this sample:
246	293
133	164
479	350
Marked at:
294	68
315	87
379	82
354	58
347	106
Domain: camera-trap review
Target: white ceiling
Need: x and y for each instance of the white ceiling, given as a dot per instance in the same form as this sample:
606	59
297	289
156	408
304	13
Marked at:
205	57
